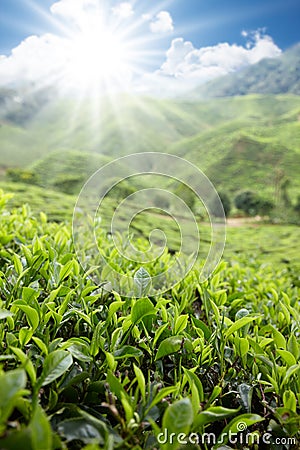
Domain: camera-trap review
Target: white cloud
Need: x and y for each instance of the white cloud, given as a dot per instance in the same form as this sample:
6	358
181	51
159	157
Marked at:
123	10
72	9
162	23
264	48
35	59
176	55
48	57
53	58
146	17
186	66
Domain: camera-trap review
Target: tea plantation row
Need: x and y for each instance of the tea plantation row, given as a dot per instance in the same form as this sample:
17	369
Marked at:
81	367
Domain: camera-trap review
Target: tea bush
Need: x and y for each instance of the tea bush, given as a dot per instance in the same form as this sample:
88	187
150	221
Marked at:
82	367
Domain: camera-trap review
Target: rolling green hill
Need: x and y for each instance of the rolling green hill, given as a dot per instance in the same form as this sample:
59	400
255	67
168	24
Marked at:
250	153
247	142
138	124
58	206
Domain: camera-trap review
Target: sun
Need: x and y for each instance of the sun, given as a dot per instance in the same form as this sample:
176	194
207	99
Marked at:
97	47
99	56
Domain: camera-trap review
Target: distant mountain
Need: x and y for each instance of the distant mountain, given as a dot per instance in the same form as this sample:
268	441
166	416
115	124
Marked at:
18	106
269	76
137	125
249	158
241	142
238	142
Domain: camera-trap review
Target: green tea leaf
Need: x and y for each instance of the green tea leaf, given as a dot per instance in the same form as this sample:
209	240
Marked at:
293	346
239	324
42	346
4	314
26	363
200	324
169	346
279	339
127	351
163	393
11	385
141	308
242	345
55	365
194	380
290	372
116	386
141	381
31	315
24	336
287	357
181	324
17	264
65	271
29	295
214	395
240	423
178	418
142	280
290	401
40	430
84	430
213	414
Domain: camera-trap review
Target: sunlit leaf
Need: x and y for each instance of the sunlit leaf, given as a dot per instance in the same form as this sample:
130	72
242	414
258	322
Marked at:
55	365
141	308
169	346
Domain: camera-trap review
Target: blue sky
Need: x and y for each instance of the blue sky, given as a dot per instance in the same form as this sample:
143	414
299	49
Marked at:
20	18
176	42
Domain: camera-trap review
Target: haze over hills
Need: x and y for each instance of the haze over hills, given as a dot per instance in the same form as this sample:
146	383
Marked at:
239	141
280	75
269	76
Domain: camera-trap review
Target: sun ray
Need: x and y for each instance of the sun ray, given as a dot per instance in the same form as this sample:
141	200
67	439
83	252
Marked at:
57	24
99	60
97	51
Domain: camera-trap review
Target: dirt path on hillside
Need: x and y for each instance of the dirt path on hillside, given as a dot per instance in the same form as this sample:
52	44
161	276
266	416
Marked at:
242	221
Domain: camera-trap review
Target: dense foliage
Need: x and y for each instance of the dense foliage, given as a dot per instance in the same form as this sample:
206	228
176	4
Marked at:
83	368
252	204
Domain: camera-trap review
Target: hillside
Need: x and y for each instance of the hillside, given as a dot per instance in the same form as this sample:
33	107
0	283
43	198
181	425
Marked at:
139	124
250	153
67	124
269	76
246	142
56	205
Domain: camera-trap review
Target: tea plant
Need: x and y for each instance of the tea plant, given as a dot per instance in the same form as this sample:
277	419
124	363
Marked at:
82	367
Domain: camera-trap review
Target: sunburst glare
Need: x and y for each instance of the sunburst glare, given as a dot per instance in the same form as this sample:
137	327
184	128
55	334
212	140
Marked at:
99	49
98	56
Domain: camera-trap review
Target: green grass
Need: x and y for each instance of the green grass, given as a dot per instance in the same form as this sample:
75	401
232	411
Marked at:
84	368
